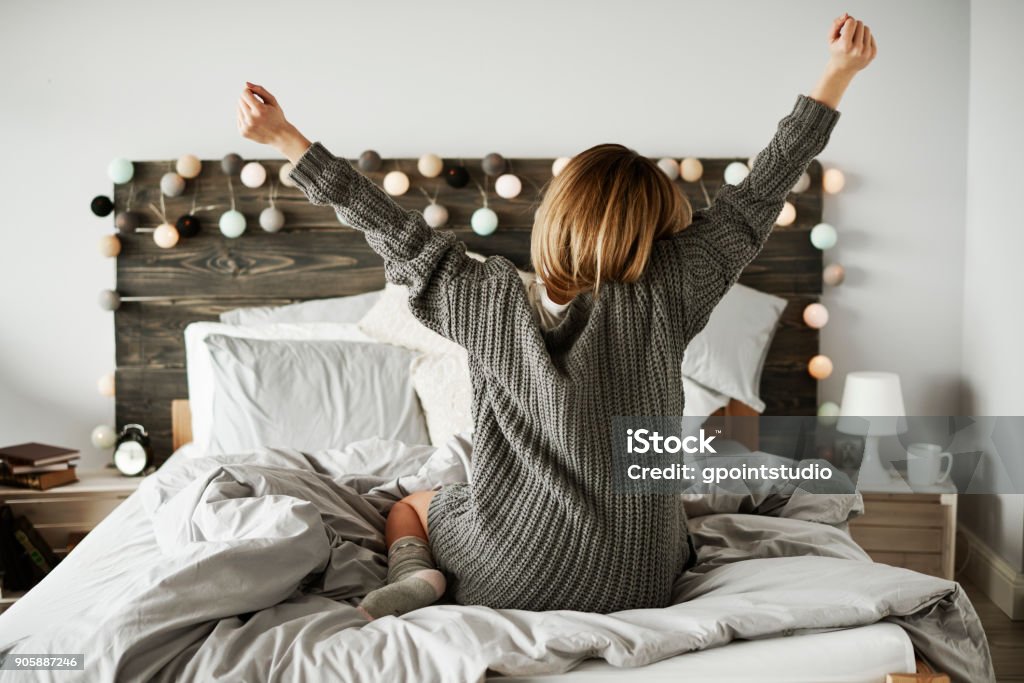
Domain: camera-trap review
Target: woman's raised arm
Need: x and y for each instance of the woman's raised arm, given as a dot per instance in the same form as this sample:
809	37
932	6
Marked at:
449	292
703	261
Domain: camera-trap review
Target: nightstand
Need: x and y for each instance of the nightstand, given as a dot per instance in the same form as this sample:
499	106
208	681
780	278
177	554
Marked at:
912	530
66	512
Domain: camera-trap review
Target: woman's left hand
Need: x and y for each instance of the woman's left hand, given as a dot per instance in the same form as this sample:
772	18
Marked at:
261	119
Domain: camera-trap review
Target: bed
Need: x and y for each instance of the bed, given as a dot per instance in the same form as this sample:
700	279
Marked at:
238	561
217	568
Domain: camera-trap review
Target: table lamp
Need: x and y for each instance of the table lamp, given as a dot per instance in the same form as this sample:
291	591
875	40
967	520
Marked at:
872	407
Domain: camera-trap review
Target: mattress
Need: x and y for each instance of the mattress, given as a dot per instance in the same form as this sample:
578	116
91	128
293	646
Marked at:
857	655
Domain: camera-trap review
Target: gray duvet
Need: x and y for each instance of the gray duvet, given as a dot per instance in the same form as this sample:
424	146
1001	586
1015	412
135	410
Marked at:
246	568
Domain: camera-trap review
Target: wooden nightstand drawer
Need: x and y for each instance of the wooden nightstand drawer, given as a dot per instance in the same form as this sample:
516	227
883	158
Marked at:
905	539
915	531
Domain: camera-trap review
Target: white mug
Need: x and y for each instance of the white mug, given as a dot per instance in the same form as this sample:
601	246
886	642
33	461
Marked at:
924	464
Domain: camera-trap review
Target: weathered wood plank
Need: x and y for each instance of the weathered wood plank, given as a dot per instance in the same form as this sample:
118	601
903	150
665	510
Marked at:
144	396
318	264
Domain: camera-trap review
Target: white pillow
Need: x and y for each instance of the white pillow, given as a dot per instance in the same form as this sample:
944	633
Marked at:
445	391
200	371
728	355
342	309
701	401
310	394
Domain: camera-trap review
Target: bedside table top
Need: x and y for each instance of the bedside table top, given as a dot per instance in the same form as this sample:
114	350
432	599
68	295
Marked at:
89	481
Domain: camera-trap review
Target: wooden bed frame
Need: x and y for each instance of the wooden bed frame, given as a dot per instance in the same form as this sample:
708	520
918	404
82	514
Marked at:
163	290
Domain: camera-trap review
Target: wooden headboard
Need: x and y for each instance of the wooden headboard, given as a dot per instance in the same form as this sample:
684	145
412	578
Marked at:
163	290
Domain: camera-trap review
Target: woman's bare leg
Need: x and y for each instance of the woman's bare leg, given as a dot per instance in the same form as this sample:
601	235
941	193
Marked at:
413	578
408	517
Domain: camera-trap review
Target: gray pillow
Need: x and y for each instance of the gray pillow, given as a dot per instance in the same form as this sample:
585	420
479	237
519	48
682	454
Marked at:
310	394
342	309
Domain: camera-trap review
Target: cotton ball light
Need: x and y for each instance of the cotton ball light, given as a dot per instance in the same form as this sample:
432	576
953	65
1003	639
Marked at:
508	186
484	221
803	183
820	367
396	183
828	413
670	167
109	300
559	165
435	215
271	219
231	164
342	220
105	385
103	437
254	174
787	215
127	221
110	246
691	169
165	236
736	172
456	176
430	165
172	184
824	236
187	225
101	205
833	275
815	316
232	223
188	166
493	164
752	160
120	171
833	181
285	174
369	161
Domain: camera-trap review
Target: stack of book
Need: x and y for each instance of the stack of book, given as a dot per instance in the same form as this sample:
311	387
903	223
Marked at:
37	466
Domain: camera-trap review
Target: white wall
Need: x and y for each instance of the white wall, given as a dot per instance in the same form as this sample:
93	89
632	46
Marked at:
85	82
993	278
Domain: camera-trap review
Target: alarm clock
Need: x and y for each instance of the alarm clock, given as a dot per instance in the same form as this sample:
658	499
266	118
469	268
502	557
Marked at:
132	454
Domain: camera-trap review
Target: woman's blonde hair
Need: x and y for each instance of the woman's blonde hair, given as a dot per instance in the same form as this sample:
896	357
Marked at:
599	219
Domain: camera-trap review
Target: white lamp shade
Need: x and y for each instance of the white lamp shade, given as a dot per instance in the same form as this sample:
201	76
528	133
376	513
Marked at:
872	405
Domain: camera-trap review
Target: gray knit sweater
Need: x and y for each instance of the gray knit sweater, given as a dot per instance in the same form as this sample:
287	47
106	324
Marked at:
540	526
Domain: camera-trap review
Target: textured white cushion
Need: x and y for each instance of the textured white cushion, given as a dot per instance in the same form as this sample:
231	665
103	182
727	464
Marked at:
390	321
342	309
729	353
445	391
200	372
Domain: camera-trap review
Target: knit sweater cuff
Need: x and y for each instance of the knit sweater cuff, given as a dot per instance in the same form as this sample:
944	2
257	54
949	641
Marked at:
818	118
309	171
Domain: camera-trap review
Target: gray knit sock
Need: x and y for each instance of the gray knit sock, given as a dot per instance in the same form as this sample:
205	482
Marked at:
413	581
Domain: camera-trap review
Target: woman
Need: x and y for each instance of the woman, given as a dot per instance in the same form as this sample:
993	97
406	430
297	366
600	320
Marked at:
626	277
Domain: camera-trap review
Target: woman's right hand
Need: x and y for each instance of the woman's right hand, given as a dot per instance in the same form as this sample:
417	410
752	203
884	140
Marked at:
850	44
851	47
261	119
